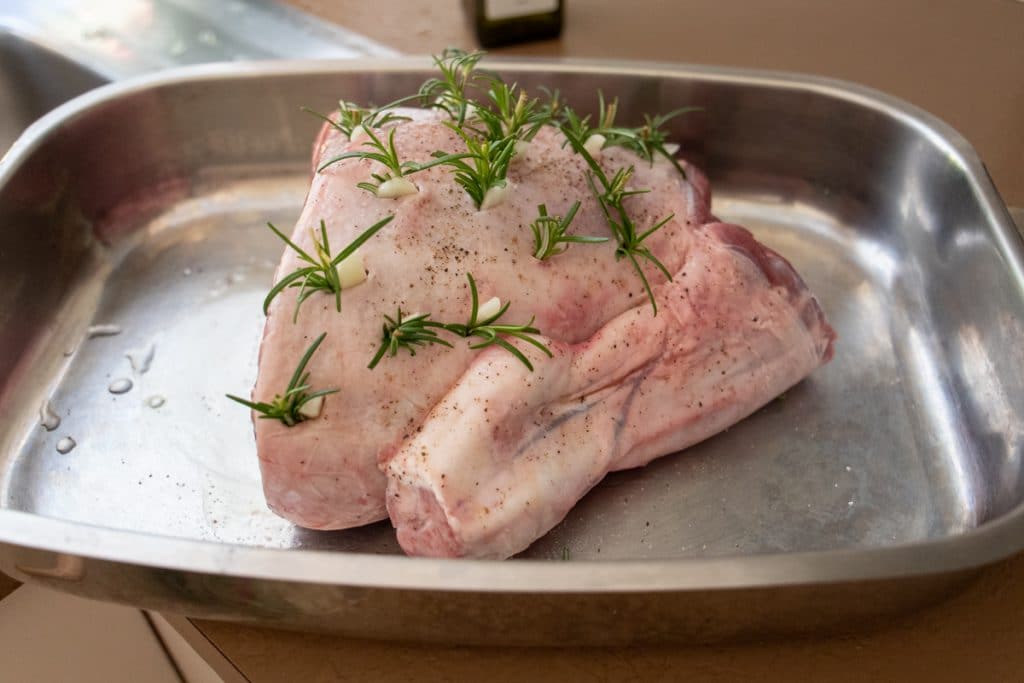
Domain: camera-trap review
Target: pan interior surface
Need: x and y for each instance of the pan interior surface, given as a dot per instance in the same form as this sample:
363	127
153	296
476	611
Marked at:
912	432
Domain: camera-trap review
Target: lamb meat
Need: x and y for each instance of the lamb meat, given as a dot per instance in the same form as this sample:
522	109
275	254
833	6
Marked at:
471	452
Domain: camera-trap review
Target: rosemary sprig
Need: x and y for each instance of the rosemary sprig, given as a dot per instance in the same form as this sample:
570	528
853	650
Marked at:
549	236
649	139
509	114
288	407
614	191
418	330
581	128
493	333
645	141
554	109
322	273
458	73
351	116
385	154
406	333
482	167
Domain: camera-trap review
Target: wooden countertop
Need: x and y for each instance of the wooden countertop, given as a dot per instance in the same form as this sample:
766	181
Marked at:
7	585
962	61
977	635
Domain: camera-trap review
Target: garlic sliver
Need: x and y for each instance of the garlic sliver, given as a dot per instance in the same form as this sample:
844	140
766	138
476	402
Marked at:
312	408
351	271
357	132
494	196
672	147
395	188
594	144
488	309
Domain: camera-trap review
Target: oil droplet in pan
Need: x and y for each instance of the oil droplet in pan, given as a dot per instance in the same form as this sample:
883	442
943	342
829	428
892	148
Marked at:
120	386
47	418
103	331
155	401
141	359
66	445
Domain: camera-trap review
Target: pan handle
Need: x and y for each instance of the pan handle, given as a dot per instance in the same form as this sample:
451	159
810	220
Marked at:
1017	214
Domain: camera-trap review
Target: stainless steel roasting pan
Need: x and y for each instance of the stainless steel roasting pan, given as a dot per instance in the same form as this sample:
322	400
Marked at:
878	485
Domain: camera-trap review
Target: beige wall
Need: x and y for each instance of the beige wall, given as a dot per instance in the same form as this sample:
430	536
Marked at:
962	60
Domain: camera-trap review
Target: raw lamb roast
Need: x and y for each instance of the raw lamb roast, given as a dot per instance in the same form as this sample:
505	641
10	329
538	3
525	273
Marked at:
470	451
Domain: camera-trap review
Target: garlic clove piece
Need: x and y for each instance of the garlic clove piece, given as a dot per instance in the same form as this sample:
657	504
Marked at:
594	144
358	132
488	309
395	188
351	271
495	196
312	408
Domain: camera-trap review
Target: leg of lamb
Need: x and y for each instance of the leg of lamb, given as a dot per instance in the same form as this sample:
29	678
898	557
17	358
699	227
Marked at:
470	451
506	453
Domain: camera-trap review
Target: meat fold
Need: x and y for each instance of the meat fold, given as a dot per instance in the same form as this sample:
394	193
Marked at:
506	453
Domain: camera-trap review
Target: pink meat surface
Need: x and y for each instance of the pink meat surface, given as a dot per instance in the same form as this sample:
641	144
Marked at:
505	455
469	452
